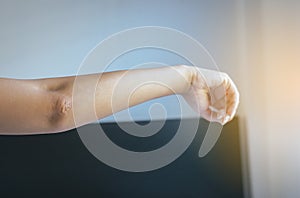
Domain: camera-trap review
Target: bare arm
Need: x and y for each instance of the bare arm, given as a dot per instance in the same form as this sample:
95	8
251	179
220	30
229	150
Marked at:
49	105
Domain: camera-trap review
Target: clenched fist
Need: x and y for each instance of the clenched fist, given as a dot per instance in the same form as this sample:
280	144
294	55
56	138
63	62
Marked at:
213	95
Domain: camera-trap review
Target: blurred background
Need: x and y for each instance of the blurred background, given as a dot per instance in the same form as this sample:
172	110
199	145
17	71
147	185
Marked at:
255	41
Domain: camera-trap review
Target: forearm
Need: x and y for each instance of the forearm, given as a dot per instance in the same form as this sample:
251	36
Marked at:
123	89
99	95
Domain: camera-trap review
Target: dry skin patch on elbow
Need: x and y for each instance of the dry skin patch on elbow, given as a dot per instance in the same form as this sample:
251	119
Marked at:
61	106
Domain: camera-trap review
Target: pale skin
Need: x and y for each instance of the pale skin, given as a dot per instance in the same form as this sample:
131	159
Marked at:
58	104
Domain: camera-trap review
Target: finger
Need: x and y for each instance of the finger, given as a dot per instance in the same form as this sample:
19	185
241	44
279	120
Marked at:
226	106
218	102
224	103
204	100
232	107
207	115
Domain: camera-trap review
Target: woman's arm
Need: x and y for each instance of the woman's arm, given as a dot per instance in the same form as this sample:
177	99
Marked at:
49	105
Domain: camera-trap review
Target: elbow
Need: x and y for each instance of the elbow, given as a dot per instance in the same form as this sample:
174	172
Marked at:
61	114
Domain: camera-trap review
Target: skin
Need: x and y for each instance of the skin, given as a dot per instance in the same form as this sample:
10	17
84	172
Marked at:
58	104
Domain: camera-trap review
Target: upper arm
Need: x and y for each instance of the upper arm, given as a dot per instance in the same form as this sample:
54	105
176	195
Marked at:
26	106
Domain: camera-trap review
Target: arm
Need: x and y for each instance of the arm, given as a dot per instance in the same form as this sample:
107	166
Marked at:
49	105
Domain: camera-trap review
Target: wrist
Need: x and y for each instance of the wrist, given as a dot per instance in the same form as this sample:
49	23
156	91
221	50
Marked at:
189	74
